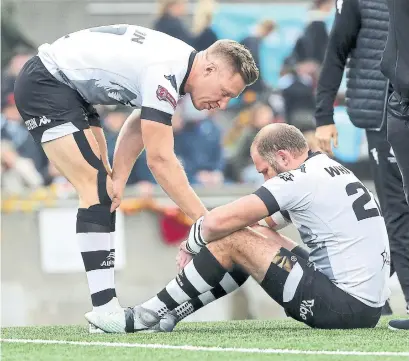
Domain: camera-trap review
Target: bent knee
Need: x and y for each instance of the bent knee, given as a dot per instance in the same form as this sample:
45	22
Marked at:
222	250
95	188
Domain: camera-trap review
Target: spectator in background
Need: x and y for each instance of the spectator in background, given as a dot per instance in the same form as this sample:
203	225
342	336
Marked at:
198	145
239	167
312	43
253	43
297	86
11	36
13	130
18	174
10	72
202	20
171	13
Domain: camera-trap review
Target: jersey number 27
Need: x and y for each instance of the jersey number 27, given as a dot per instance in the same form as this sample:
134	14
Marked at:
359	204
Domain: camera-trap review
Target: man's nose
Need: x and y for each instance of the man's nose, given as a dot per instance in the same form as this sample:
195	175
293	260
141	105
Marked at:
223	103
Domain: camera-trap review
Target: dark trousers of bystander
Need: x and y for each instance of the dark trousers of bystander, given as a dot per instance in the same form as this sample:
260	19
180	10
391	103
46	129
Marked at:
388	184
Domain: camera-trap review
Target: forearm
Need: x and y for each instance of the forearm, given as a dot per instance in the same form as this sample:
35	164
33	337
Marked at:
169	173
128	147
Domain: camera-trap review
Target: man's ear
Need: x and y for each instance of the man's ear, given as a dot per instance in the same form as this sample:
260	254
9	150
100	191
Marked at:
209	69
284	156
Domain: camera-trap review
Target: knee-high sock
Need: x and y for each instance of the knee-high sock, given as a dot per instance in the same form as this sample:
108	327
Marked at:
199	276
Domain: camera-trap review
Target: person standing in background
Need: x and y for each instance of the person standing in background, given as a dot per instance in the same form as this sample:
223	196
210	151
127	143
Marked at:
395	66
253	43
314	39
170	21
12	39
359	33
202	21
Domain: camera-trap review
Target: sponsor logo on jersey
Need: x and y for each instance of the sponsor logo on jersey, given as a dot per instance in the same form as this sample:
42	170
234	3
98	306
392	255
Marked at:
172	80
306	309
109	261
286	177
43	121
163	94
31	124
302	168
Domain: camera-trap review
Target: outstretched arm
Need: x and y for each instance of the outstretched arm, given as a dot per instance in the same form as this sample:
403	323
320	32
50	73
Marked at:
167	170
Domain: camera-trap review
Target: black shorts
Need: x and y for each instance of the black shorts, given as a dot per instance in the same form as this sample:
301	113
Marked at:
50	108
308	296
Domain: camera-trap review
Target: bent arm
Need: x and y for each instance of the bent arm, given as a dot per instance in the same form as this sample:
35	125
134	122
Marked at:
166	168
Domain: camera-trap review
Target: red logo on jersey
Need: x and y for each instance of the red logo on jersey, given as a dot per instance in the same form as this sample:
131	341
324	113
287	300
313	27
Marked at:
163	94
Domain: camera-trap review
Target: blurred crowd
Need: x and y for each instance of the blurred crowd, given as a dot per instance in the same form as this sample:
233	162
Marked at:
212	146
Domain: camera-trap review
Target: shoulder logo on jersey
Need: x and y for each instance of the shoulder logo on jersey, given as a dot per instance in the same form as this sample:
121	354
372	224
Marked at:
302	168
286	177
172	80
163	94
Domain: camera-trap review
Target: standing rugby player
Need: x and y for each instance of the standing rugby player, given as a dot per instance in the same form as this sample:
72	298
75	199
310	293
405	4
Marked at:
121	64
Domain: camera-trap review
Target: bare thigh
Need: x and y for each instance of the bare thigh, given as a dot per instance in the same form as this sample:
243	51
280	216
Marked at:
66	156
276	237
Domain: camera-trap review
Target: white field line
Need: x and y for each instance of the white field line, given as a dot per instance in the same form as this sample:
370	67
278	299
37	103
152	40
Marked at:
203	348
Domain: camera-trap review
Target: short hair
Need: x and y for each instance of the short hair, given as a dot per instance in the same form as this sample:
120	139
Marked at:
238	57
275	137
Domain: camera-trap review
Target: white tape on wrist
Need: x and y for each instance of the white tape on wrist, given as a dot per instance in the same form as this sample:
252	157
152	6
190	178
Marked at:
195	241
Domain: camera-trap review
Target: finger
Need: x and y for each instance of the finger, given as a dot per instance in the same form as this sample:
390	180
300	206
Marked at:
324	145
335	140
114	205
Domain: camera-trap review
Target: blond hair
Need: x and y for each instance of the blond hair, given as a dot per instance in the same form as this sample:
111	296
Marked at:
164	5
203	15
238	57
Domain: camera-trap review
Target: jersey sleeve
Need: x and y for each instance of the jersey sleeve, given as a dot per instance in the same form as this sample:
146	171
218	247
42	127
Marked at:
159	97
288	191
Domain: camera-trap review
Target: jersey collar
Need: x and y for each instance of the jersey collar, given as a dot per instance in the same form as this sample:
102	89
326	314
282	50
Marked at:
312	154
189	68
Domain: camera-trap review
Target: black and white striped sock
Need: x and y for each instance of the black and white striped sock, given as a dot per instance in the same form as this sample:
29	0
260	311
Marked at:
230	282
112	249
94	240
199	276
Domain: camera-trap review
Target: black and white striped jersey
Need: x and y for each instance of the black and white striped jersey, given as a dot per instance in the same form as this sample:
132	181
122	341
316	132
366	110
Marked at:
339	220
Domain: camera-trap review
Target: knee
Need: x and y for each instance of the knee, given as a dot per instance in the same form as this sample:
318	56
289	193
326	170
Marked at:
222	250
95	188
